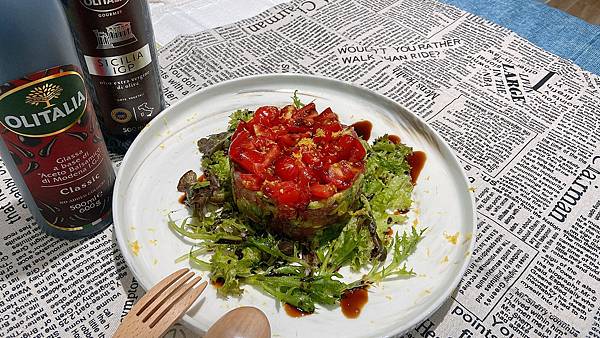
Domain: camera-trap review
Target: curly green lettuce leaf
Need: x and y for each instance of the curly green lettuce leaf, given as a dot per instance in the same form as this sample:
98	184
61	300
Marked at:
387	184
191	228
404	246
209	145
214	189
352	247
218	164
221	224
238	116
301	292
270	246
230	269
395	196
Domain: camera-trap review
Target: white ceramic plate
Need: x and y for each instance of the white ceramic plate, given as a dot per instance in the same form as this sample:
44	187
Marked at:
145	192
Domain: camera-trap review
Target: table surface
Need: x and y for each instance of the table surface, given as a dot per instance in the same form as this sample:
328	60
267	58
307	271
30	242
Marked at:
588	10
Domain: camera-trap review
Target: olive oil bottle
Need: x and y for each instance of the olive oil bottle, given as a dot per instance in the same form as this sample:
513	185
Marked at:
50	140
115	42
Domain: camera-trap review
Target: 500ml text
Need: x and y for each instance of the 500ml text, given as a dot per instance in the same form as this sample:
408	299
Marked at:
88	205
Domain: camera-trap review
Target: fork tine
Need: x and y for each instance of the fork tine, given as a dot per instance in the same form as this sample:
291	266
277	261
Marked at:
156	290
151	308
177	309
168	302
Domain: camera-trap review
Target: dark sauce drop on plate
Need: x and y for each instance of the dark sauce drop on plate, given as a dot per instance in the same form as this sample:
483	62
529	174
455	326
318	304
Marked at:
182	198
293	311
417	162
353	301
363	129
218	283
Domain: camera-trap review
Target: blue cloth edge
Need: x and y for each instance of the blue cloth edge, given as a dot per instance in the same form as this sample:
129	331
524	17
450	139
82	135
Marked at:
572	39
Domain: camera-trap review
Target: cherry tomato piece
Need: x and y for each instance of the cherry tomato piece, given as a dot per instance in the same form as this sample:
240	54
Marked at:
327	117
342	174
358	152
311	157
322	191
267	115
289	193
286	168
345	146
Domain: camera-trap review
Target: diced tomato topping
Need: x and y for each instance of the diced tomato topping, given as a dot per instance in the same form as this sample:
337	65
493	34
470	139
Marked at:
345	147
271	156
297	127
240	137
286	168
290	140
332	127
263	131
268	187
287	140
242	153
296	155
287	112
289	193
307	174
327	117
342	174
251	160
306	115
311	157
266	116
358	152
322	191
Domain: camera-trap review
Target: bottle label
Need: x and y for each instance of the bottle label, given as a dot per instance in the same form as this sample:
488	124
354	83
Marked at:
119	64
53	138
44	107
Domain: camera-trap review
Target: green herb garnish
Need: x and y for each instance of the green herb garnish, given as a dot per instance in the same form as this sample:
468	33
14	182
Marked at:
237	116
297	103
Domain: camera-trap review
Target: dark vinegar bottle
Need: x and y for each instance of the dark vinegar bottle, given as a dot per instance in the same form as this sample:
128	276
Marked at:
50	140
115	42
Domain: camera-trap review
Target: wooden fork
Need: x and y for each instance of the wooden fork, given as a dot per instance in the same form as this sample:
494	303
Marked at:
161	306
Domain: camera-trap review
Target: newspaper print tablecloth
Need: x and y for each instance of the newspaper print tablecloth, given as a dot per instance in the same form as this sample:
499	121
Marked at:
524	123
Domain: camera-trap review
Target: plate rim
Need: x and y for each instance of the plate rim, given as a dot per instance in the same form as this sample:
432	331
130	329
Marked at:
189	321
